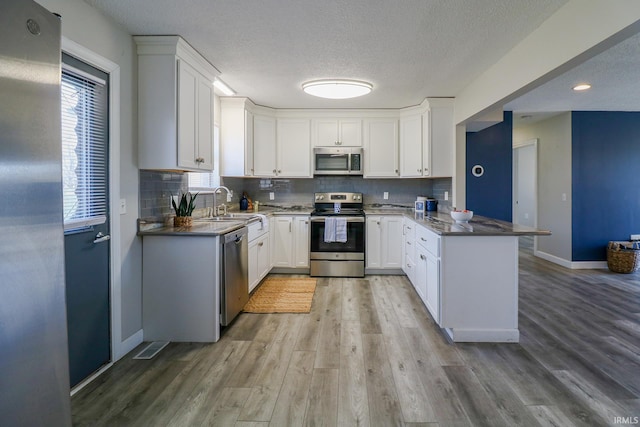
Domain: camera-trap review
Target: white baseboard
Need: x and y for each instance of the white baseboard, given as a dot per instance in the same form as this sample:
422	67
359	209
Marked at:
483	335
573	265
129	344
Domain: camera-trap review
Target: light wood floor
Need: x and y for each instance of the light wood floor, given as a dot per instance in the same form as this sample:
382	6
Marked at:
369	354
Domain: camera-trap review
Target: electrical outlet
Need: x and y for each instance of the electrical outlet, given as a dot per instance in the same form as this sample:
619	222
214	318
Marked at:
446	195
385	195
123	206
229	196
564	197
272	195
635	237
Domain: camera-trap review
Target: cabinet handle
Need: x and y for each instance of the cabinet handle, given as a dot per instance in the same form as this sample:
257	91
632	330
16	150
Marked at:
261	244
419	170
409	243
279	171
396	170
274	171
378	222
408	265
422	257
423	239
306	222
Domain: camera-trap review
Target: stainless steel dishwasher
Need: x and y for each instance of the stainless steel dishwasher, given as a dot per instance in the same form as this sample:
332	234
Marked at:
234	283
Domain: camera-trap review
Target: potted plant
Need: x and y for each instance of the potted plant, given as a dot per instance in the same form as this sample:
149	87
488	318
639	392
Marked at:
184	210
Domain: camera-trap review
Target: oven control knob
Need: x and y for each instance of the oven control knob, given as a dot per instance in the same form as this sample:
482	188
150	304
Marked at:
321	197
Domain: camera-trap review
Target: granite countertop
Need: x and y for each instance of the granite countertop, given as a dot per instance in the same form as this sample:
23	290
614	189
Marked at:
204	227
441	223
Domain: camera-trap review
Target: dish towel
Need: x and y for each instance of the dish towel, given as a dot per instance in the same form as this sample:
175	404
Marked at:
341	230
264	223
329	230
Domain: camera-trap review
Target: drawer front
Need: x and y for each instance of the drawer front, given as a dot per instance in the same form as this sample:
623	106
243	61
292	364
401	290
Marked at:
429	240
256	230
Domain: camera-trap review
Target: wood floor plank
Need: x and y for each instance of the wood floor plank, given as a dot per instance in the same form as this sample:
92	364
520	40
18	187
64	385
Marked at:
264	393
442	397
479	407
350	300
226	408
353	403
328	351
384	407
249	367
291	404
322	406
497	386
369	322
310	331
550	416
195	408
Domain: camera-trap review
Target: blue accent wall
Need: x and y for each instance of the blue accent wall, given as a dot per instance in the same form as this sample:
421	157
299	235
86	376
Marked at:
605	168
491	194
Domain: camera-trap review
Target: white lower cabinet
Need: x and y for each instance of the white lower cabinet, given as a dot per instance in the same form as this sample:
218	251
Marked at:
290	248
425	272
259	257
384	242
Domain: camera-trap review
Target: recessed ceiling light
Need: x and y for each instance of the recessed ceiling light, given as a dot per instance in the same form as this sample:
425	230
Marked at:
337	89
222	86
583	86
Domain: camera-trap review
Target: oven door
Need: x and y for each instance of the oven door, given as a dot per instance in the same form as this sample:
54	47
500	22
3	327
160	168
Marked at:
354	244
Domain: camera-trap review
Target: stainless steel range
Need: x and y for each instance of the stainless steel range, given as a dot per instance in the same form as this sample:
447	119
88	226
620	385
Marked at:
337	235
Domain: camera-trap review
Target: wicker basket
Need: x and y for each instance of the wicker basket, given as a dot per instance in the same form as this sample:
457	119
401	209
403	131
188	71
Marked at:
182	221
623	257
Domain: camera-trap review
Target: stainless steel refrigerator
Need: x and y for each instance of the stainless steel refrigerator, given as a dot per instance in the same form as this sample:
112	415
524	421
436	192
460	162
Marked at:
34	372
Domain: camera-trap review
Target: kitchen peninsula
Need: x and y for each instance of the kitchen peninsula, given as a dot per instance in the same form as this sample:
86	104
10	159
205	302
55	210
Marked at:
465	273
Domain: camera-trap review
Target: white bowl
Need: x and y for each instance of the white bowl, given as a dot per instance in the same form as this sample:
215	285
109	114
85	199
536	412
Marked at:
461	216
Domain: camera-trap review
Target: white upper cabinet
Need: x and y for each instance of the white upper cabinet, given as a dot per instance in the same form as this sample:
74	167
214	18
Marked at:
236	137
293	146
381	148
175	105
441	136
337	132
411	146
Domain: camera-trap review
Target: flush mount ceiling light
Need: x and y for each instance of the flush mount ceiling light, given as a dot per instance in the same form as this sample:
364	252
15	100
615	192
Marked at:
337	89
222	86
583	86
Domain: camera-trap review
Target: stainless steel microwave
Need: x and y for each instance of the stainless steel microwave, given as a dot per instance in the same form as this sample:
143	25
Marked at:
337	161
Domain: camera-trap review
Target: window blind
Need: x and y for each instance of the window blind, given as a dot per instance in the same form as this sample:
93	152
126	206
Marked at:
84	149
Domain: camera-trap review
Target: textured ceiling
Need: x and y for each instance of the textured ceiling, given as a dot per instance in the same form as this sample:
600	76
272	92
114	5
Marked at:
408	49
613	74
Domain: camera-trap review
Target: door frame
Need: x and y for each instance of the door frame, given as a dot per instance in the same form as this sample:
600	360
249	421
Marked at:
530	142
115	284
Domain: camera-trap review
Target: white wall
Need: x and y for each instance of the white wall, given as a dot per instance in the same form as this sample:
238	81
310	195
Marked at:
86	26
554	180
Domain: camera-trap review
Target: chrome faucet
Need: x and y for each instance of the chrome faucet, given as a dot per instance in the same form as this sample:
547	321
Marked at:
217	208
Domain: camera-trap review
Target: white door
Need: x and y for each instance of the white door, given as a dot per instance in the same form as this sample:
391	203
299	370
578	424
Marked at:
392	241
525	183
374	242
411	146
264	146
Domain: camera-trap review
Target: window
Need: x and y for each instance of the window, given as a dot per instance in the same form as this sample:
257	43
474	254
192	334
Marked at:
84	101
207	181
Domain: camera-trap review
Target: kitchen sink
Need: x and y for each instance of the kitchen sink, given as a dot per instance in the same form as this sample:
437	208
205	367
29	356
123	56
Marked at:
245	217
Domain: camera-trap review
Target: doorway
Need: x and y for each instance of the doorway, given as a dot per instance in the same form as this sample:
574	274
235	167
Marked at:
85	146
525	185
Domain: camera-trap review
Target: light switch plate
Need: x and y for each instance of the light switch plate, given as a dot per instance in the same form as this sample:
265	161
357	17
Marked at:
272	195
446	195
385	195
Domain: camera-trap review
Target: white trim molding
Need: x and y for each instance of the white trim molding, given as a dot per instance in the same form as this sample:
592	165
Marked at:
573	265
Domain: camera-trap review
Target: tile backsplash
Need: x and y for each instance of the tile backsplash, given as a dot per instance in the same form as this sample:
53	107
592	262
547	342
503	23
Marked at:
156	188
